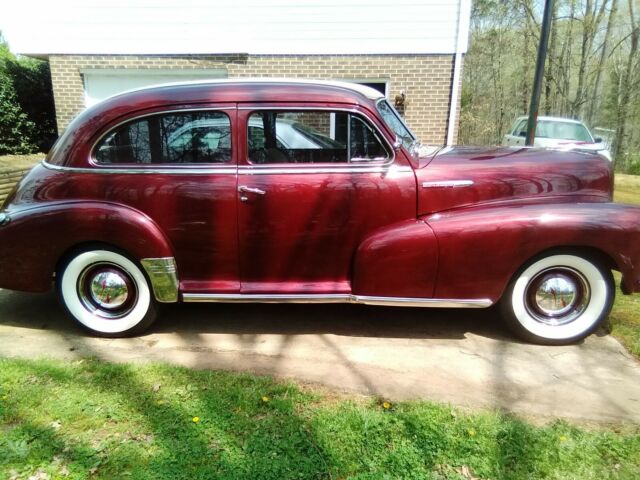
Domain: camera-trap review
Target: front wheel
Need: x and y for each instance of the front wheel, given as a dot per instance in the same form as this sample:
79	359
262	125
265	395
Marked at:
558	299
106	293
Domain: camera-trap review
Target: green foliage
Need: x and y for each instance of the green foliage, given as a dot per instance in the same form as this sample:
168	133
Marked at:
91	419
27	116
591	72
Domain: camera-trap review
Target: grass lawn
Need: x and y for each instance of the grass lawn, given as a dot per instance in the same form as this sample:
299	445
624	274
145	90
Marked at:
624	321
90	419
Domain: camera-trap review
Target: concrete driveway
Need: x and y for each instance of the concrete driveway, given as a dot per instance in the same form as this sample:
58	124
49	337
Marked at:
461	357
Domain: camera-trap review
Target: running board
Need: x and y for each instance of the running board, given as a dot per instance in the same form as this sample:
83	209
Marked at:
337	298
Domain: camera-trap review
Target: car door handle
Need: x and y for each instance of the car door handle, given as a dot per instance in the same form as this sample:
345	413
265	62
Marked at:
245	189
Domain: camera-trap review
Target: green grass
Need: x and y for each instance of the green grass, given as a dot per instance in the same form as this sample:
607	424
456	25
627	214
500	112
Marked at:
624	321
90	419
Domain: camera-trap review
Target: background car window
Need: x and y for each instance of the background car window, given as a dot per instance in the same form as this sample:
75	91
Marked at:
170	138
563	131
521	126
312	137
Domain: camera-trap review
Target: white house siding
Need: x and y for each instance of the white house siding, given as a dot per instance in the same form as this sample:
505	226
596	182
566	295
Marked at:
241	26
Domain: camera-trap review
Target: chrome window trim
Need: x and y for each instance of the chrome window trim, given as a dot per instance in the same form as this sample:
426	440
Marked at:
398	116
337	298
309	170
226	170
132	166
242	170
388	146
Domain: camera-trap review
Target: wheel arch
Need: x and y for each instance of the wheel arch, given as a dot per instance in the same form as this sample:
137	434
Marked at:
595	254
42	237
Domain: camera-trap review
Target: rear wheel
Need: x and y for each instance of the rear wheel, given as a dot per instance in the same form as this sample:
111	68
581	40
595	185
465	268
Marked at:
558	299
106	293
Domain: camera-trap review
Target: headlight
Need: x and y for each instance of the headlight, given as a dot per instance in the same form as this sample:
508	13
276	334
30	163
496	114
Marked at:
4	218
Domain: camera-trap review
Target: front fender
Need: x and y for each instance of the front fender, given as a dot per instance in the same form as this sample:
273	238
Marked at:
35	238
481	248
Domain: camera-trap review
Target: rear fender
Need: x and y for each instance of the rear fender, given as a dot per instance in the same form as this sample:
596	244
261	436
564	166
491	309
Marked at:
35	239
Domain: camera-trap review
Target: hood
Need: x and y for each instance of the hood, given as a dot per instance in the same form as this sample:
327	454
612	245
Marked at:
465	176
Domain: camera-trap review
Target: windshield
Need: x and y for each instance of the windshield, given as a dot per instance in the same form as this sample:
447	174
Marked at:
393	120
563	131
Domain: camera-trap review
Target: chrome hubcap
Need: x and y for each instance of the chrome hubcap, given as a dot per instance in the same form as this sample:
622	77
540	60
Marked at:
557	296
107	290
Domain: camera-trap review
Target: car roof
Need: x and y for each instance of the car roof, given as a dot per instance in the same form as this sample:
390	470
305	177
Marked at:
370	93
552	119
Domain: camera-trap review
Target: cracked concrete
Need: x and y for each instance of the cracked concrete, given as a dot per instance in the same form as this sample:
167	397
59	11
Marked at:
461	357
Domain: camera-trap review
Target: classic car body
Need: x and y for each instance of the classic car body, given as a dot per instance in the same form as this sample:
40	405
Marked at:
370	222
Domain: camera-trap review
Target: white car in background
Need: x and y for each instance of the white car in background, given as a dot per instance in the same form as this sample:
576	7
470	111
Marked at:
558	133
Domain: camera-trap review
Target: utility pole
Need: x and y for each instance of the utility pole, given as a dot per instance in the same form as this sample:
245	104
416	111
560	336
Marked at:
537	81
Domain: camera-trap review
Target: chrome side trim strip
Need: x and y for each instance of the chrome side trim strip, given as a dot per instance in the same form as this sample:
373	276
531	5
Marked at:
448	184
264	298
163	274
347	168
337	298
243	170
423	302
144	170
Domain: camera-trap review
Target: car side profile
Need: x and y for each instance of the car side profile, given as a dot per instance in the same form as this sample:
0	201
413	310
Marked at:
557	132
312	192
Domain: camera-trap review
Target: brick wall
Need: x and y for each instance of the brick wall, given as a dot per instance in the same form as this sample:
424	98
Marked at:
425	79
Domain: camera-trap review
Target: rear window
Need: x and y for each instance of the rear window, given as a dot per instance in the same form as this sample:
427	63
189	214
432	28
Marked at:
174	138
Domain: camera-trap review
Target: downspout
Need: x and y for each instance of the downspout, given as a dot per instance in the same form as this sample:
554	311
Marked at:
464	14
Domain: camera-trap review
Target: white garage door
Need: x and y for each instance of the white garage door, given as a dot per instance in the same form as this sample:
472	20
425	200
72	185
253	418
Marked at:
100	84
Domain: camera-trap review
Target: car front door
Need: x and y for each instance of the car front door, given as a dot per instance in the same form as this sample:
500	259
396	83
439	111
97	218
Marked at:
313	183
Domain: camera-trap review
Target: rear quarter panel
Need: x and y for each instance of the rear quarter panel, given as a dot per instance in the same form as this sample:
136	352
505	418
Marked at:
36	238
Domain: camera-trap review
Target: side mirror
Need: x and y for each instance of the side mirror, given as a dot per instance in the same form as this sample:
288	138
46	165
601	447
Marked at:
598	140
523	133
397	144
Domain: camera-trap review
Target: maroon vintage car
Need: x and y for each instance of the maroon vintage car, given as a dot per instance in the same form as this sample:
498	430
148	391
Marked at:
292	191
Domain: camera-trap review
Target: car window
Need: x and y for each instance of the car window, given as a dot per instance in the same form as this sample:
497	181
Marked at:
521	126
312	137
169	138
563	131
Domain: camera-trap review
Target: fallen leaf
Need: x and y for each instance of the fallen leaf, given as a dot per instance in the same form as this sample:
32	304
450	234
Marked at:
156	387
56	425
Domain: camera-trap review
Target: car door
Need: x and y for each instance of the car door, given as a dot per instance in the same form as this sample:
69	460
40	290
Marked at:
514	138
312	184
179	167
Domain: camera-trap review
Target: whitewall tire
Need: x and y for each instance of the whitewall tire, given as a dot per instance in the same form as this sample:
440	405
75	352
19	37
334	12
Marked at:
106	293
558	299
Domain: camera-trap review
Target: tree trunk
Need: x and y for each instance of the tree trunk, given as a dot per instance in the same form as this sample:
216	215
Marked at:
595	103
549	103
626	86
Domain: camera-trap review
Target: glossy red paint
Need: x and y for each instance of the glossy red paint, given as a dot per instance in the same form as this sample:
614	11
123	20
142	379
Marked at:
317	229
511	175
482	247
39	236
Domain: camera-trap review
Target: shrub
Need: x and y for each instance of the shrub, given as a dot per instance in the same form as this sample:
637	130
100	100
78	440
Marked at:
27	115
